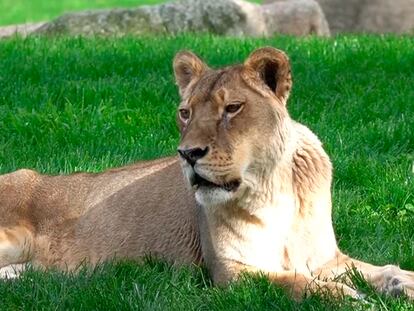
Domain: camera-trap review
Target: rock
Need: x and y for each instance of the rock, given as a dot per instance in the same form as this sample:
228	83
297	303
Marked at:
374	16
295	17
21	30
224	17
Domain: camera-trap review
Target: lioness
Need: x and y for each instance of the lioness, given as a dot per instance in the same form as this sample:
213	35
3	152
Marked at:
249	191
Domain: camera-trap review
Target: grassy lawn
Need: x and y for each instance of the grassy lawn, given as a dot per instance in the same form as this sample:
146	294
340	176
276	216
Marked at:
89	104
22	11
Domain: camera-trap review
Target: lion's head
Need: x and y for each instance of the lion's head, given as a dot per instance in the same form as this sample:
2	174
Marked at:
232	122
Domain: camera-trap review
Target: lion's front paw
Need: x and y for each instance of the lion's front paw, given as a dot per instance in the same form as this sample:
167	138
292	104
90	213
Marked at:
11	271
398	282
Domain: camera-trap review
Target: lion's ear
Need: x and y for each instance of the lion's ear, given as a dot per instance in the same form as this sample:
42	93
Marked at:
187	67
272	68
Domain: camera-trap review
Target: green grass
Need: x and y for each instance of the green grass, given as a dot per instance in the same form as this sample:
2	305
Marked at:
89	104
22	11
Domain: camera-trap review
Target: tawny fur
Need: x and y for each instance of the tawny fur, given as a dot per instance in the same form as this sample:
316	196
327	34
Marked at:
276	221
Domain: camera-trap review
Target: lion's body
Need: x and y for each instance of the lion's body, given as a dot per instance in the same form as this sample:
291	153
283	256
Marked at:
127	213
260	197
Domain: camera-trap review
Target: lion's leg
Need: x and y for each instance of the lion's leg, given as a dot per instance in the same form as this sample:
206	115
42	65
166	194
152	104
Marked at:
297	284
12	271
16	245
16	233
300	285
389	279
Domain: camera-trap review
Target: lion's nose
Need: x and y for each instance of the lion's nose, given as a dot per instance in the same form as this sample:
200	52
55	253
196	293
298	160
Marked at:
191	155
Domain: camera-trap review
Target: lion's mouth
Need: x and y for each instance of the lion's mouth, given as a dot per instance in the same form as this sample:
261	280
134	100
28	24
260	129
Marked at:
198	182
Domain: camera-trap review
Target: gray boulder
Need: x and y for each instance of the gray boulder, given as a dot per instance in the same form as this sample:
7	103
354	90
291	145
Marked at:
224	17
373	16
295	17
21	30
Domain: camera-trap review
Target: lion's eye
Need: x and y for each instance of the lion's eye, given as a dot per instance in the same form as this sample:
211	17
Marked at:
233	108
184	114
